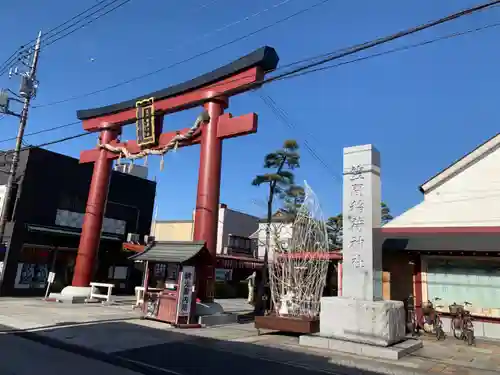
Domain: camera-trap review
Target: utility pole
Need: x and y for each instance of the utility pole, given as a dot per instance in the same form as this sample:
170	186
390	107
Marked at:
27	92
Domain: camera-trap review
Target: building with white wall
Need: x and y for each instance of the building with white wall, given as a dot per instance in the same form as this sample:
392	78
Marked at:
281	231
452	239
465	194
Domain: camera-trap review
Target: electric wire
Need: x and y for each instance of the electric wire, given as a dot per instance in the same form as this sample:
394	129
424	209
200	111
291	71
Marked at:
284	118
109	11
359	59
347	51
49	41
52	33
46	130
312	62
371	44
393	50
48	38
188	59
12	58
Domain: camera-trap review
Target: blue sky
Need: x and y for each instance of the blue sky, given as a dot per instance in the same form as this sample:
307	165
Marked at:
422	108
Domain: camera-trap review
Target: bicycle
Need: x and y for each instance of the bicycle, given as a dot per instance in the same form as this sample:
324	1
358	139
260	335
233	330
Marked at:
432	322
411	317
461	324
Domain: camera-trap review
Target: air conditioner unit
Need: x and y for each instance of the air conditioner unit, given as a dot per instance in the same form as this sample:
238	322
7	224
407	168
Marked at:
133	238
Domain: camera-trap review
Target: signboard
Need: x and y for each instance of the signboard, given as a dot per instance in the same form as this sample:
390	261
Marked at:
51	278
145	125
185	291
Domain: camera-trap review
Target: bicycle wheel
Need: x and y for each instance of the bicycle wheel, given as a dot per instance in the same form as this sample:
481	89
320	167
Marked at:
470	337
439	332
443	335
456	327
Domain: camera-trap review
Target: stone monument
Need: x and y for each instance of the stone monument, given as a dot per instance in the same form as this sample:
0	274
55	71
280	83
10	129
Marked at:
360	322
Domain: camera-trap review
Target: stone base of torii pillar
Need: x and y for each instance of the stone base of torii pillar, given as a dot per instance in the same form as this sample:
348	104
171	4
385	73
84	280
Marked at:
361	322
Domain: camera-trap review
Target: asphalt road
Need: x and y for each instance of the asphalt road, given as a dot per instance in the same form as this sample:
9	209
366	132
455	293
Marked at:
27	353
23	356
19	356
186	359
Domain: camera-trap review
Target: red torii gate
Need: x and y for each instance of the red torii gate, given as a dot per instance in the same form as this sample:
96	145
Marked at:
212	91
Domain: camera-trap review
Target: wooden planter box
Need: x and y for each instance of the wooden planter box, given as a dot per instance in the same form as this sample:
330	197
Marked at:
302	325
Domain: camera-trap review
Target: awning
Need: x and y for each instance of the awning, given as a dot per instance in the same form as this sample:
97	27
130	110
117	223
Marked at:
443	242
170	251
68	232
310	255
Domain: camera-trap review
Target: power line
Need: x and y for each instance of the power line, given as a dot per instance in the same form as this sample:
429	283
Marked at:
50	143
320	60
43	131
50	39
103	14
399	49
347	51
193	57
53	33
393	50
11	59
283	117
48	43
380	41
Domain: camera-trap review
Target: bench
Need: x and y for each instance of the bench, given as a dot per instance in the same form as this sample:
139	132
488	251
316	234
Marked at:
95	295
139	294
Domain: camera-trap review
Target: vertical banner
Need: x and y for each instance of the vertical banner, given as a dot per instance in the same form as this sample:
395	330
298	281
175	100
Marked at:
185	293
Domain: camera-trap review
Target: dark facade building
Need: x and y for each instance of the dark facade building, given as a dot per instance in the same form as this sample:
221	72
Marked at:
46	217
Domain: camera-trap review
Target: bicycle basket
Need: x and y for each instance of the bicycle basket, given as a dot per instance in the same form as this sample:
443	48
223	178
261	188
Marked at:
456	309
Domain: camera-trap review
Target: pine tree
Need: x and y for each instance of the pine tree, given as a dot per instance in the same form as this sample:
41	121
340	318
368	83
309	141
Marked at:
281	184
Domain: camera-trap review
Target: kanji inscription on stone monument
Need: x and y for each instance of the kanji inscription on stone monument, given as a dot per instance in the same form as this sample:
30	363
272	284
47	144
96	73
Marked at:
362	277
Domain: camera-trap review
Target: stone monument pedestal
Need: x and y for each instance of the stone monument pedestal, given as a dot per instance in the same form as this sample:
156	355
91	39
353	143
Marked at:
379	323
367	328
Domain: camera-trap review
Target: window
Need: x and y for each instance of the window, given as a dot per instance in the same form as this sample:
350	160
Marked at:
459	280
241	243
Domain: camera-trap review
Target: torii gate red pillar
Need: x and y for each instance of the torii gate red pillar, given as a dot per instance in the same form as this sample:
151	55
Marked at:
212	91
207	197
94	214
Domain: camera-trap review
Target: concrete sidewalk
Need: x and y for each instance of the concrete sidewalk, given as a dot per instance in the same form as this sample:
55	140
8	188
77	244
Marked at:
24	313
117	331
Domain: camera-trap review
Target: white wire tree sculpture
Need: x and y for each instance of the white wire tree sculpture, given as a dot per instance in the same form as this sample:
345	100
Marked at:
297	272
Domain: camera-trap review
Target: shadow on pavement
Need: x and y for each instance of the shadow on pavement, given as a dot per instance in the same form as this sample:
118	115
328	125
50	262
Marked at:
153	351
